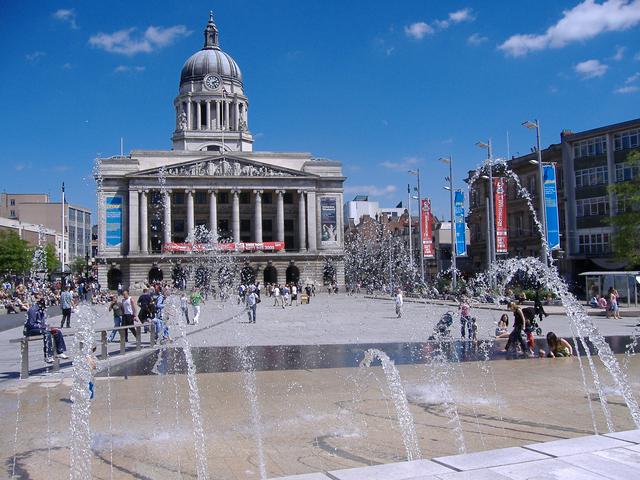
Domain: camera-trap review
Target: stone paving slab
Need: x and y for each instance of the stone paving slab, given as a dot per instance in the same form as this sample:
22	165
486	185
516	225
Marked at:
305	476
551	468
607	467
392	471
628	436
491	458
573	446
483	474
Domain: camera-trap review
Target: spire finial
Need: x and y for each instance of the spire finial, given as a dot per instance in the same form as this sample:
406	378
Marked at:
211	33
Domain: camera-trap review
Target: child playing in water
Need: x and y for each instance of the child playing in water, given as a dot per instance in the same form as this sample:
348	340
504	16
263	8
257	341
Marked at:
503	326
558	347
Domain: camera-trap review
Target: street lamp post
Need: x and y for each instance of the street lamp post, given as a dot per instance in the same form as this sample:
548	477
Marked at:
492	226
454	253
416	173
409	216
543	214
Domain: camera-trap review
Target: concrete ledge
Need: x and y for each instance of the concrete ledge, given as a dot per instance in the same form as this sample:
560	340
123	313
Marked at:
491	458
392	471
574	446
632	436
306	476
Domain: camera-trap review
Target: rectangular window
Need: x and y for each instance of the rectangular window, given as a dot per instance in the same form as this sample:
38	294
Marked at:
589	207
590	147
533	184
178	225
589	177
178	198
201	197
245	198
12	202
287	198
288	225
267	225
223	197
520	224
594	243
13	214
245	225
267	198
626	171
626	140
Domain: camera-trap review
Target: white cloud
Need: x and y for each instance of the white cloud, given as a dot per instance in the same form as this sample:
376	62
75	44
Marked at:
464	15
476	39
124	43
583	22
67	16
418	30
619	55
371	190
33	57
591	69
628	89
405	164
67	66
633	78
126	68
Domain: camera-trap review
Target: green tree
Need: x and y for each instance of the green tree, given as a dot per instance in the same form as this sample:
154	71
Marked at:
15	256
53	263
78	265
626	236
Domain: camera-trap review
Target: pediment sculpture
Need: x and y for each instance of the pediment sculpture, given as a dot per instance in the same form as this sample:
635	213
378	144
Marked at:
224	167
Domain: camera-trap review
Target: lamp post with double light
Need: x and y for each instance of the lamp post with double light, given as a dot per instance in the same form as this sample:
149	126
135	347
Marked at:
416	173
454	274
543	214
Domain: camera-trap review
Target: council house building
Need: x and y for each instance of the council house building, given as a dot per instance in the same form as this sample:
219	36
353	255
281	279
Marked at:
278	212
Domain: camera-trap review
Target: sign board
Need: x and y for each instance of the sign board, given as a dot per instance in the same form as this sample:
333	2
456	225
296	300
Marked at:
225	247
426	234
501	214
551	205
459	224
328	221
113	224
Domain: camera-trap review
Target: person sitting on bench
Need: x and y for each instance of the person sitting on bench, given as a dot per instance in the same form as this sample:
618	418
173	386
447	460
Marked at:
36	324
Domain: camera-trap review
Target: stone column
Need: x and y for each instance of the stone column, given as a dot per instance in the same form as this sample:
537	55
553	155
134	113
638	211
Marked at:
134	222
208	127
235	216
190	216
280	216
198	115
302	227
189	120
226	115
217	126
144	223
167	216
213	215
311	221
236	114
257	217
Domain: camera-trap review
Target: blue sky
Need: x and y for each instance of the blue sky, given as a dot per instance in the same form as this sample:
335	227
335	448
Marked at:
380	86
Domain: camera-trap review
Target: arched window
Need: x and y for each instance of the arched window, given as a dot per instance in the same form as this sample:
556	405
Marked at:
155	275
293	274
114	277
270	274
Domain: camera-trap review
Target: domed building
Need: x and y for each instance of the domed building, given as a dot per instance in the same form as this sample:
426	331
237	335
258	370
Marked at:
278	212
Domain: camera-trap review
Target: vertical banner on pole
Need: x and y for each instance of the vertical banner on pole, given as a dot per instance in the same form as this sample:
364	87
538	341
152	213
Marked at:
426	234
501	214
461	240
551	205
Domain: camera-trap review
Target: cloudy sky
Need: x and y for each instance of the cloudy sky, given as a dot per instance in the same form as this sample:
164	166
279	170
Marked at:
381	86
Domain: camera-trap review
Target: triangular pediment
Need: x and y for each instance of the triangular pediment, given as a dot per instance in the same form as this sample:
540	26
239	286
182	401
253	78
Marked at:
222	166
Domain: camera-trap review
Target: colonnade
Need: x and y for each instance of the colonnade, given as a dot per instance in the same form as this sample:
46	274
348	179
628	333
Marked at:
221	114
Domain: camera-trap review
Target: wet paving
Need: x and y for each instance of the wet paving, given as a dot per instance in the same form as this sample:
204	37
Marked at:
170	360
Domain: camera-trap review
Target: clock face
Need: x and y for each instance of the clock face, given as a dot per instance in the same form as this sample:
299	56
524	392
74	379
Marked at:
212	82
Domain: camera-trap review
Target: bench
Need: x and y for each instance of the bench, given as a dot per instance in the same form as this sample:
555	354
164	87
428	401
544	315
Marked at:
24	345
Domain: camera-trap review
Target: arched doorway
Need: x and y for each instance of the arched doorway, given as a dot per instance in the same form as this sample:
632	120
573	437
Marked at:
293	274
247	275
270	275
155	275
114	278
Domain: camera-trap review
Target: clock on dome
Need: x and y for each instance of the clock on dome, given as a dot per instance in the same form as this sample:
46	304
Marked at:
212	82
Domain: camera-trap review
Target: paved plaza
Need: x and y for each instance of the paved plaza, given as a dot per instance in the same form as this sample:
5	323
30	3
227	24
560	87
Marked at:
322	422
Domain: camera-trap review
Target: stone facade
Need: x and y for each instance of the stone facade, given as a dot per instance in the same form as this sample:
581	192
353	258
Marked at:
152	200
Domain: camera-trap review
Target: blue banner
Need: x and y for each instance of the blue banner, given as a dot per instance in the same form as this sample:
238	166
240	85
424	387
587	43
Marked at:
113	213
551	206
461	240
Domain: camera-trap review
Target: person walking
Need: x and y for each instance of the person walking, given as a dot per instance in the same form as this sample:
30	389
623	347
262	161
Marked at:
276	295
128	314
519	322
294	294
251	300
196	300
116	307
399	302
66	304
184	306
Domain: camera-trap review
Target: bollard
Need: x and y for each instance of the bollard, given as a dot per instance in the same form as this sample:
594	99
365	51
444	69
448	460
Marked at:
103	340
56	363
123	344
24	352
153	335
138	338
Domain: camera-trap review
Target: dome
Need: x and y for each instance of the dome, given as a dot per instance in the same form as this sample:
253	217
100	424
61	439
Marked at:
210	60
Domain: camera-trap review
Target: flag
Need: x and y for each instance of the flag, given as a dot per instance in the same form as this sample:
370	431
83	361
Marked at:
399	205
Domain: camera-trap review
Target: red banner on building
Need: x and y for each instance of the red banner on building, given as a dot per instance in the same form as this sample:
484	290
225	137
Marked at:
426	234
499	189
225	247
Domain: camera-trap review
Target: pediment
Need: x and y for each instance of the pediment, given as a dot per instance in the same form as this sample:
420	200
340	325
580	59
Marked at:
222	166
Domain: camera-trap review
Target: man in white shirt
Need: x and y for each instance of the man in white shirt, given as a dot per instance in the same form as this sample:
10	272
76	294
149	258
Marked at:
276	295
399	302
252	303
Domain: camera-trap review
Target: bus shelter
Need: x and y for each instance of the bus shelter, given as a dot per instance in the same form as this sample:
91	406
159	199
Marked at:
626	283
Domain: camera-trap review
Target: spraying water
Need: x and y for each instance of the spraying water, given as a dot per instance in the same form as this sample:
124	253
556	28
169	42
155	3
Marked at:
405	418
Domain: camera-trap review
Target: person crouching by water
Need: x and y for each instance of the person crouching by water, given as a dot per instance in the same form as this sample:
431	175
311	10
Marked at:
36	324
518	327
558	347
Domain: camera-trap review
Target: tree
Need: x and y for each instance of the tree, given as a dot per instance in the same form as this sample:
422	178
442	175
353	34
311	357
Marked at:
626	236
15	254
78	265
53	263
